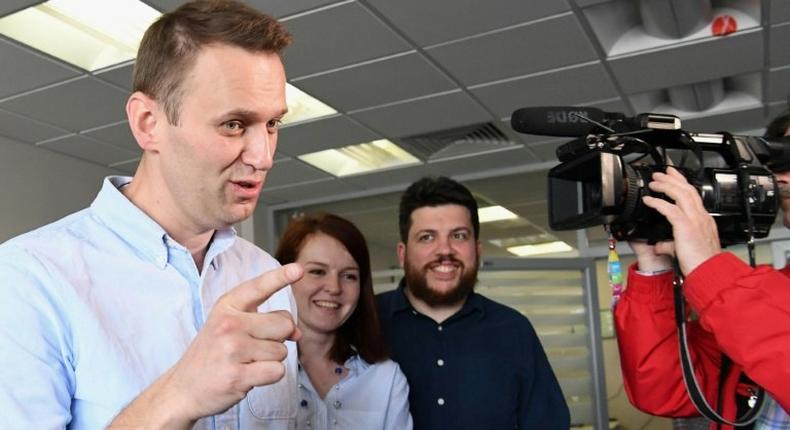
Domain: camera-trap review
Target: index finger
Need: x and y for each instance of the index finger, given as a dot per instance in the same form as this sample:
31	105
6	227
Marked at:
248	295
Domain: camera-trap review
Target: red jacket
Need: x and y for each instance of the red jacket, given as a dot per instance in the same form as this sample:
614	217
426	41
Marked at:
743	312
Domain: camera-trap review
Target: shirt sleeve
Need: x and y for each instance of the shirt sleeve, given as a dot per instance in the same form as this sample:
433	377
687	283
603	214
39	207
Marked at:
541	403
748	311
649	351
398	415
36	379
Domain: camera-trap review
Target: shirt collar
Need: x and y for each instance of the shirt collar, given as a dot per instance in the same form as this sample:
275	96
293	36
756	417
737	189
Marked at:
139	230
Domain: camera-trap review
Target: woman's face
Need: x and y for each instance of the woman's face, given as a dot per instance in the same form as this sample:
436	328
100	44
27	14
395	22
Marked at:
327	294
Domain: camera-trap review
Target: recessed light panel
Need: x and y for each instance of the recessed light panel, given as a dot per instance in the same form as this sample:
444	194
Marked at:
361	158
90	34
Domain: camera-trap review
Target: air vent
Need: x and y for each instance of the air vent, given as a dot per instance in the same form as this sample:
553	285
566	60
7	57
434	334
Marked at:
457	142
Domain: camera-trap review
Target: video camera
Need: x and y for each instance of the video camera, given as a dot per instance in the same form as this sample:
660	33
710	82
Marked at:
604	173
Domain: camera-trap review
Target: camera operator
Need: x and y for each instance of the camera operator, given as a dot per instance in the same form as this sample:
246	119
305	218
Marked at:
743	312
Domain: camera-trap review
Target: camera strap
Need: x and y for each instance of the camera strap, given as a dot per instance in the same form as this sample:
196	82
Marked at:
692	385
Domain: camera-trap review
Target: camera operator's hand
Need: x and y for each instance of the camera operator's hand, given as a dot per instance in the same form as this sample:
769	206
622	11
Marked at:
694	230
648	259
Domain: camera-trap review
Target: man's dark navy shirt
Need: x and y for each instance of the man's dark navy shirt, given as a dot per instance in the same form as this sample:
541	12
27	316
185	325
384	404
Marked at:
482	368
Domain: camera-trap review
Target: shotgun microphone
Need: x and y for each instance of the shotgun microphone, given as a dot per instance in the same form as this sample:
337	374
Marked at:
566	121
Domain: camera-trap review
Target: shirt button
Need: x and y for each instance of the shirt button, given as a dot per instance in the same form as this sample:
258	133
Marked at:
338	404
303	403
413	312
440	401
440	362
439	328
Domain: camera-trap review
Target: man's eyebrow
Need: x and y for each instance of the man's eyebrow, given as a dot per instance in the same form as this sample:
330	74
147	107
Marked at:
247	114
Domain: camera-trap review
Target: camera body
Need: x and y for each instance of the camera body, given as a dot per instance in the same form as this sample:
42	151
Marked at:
604	174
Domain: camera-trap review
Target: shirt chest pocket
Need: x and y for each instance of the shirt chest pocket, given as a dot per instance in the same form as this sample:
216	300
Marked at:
273	406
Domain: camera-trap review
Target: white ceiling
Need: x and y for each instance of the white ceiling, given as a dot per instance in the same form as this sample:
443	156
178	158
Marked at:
398	69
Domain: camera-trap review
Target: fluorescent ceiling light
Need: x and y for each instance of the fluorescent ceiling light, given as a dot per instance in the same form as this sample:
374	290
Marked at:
303	106
91	34
494	213
361	158
542	248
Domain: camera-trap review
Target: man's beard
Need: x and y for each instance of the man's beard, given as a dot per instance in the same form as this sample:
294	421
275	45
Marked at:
417	283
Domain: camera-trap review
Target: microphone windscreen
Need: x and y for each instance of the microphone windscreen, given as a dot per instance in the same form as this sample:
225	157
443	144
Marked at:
565	121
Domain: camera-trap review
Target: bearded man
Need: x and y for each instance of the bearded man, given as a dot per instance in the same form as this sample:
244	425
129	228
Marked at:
471	363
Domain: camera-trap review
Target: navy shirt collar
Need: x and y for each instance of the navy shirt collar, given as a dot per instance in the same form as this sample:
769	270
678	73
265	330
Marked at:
400	303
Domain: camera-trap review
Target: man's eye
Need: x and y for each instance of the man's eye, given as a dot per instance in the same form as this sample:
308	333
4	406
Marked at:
233	126
425	237
275	123
316	272
461	236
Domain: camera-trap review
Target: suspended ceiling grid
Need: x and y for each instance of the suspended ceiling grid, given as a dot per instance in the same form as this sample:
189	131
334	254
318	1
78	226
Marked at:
399	69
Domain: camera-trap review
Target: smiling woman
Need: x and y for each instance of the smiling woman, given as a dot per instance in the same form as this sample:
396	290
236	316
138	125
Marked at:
345	377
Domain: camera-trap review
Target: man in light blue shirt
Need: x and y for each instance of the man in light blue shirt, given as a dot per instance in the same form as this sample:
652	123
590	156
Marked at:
145	310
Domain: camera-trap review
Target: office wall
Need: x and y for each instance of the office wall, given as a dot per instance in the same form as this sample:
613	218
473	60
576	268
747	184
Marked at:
38	186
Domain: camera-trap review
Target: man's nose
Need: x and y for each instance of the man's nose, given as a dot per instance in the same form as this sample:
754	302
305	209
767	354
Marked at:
259	150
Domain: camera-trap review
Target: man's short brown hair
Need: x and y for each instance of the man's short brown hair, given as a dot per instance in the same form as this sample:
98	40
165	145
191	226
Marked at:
171	45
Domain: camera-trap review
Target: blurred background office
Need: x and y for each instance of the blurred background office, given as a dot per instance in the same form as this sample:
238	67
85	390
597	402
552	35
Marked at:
383	92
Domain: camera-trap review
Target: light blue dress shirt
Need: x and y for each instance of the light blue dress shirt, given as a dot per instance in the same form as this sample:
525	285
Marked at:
369	397
96	306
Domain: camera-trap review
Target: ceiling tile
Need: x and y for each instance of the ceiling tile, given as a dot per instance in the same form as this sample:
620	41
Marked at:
89	149
398	78
119	75
317	37
24	70
424	115
275	8
567	86
25	129
9	6
164	5
326	133
483	163
117	135
279	8
779	85
290	172
436	21
780	11
514	52
76	105
327	188
709	59
780	45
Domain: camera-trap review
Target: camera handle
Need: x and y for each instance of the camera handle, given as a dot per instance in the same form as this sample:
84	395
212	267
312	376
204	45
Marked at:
756	400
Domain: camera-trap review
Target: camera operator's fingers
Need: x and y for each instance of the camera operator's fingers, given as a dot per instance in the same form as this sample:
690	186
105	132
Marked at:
259	373
696	233
248	295
649	258
667	250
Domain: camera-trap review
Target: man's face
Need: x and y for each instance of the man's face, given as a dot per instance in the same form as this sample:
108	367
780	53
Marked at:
214	162
441	255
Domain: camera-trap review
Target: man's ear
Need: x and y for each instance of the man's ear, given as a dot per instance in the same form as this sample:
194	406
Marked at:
142	112
479	249
401	253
